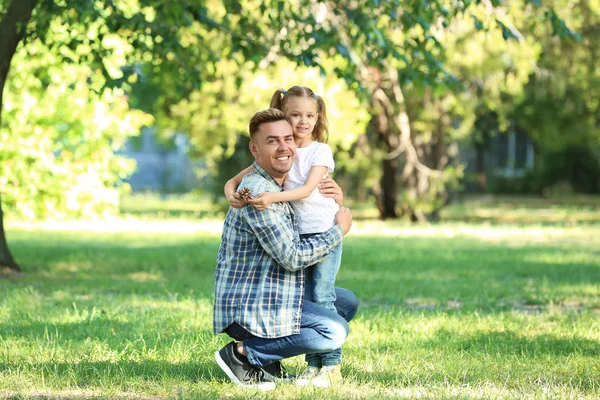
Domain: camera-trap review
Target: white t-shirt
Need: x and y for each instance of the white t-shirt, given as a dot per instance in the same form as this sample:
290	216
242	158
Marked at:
316	213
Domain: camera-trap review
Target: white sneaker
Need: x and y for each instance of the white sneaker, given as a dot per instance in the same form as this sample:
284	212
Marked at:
307	376
327	376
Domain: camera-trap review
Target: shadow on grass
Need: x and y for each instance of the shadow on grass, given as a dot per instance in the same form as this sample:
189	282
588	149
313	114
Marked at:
91	267
511	343
519	361
420	274
86	374
100	329
426	274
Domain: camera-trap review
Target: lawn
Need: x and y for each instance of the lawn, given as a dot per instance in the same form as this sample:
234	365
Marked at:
123	309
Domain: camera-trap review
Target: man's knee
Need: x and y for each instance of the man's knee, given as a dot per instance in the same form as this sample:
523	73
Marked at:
333	336
340	331
346	303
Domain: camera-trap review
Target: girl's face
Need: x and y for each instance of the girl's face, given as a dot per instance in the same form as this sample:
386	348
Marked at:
303	115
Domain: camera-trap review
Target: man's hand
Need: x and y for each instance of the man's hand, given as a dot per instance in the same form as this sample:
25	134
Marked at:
261	201
235	200
329	188
343	218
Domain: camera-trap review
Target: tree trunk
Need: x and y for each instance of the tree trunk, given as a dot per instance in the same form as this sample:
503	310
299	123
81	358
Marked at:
13	27
416	184
480	166
389	185
6	259
387	190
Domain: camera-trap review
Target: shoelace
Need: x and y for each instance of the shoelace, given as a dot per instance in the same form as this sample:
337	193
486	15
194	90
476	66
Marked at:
254	374
283	372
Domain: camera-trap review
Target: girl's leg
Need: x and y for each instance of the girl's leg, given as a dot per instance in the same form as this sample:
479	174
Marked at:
324	294
313	359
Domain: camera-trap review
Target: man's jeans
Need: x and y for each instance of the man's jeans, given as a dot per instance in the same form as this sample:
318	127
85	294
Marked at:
320	331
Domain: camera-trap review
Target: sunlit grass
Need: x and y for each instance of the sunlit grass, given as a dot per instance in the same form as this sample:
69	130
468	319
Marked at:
569	209
124	310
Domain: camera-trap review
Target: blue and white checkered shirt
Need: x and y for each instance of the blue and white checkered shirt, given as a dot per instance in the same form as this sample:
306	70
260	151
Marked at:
259	279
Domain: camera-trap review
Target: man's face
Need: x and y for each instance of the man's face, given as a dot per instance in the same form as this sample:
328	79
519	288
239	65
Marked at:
273	148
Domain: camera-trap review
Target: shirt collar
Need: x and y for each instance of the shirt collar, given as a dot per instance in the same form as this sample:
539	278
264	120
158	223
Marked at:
265	175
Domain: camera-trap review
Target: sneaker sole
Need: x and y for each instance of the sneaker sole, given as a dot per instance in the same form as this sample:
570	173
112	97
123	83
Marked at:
302	382
264	386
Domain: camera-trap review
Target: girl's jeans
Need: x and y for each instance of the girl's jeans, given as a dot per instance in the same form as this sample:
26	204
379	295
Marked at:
320	331
320	289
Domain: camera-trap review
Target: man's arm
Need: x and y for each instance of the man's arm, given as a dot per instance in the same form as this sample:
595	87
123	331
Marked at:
275	232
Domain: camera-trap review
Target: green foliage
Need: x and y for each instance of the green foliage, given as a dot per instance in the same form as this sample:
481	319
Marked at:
60	130
576	165
74	66
572	169
560	107
217	116
191	62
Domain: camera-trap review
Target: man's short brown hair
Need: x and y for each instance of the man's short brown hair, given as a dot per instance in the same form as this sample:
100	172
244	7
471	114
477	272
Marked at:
263	117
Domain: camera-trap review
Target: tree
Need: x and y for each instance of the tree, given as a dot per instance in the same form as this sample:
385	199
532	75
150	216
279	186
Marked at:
382	48
12	31
112	40
561	104
378	47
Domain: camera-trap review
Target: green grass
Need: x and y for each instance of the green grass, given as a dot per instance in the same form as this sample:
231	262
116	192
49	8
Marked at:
454	311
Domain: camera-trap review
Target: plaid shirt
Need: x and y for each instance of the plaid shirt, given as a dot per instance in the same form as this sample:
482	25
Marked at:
259	279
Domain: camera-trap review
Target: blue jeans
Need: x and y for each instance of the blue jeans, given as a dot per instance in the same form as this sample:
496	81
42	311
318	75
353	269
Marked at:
320	331
320	289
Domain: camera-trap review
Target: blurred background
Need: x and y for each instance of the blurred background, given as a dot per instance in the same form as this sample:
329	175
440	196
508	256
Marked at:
454	111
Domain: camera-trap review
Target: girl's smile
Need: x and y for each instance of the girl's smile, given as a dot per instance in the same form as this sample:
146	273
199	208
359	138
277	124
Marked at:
303	115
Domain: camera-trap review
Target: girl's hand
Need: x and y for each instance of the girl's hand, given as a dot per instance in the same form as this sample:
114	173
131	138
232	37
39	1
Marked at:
235	200
261	201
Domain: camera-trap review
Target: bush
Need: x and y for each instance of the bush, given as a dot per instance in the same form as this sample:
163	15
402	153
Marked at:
577	165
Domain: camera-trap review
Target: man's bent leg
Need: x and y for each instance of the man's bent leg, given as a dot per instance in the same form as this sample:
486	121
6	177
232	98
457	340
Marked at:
320	331
346	303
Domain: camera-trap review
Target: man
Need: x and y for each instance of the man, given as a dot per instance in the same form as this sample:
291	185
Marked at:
259	279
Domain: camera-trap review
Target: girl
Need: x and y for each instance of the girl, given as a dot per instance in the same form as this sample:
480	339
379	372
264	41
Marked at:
316	213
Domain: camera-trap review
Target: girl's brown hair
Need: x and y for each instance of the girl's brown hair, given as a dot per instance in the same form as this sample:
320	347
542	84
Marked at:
279	100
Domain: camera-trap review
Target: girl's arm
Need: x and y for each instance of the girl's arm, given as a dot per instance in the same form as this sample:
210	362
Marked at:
264	200
230	189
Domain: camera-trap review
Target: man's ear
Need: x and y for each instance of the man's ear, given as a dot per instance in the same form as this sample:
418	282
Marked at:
253	150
